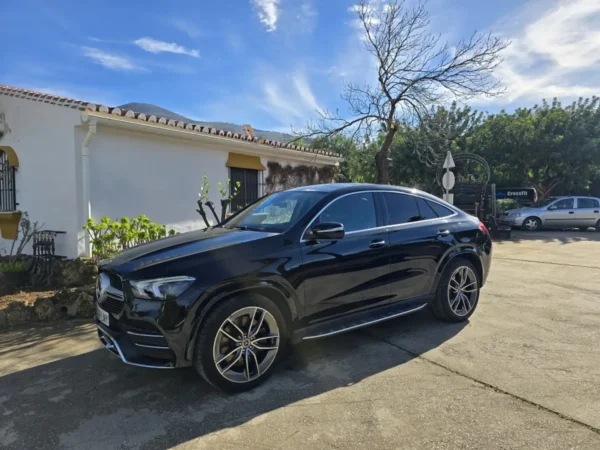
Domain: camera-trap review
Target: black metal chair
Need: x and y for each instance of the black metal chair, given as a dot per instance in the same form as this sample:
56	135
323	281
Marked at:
44	255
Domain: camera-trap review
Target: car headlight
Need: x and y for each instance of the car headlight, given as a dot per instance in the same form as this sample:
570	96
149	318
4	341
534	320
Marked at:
515	215
161	288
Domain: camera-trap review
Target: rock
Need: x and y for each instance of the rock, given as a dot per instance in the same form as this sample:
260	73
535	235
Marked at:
66	302
86	307
43	309
74	302
75	272
17	313
89	289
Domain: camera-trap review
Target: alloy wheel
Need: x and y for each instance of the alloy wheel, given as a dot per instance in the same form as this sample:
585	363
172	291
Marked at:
531	224
462	291
246	344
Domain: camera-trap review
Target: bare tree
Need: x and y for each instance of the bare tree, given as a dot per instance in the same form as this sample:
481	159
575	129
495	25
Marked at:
415	71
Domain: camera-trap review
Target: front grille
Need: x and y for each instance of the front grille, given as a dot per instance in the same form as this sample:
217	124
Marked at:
112	305
115	281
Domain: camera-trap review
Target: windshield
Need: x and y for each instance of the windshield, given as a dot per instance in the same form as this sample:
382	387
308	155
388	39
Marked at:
277	212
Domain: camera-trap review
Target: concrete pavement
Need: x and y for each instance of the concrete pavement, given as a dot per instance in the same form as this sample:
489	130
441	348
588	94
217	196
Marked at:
521	374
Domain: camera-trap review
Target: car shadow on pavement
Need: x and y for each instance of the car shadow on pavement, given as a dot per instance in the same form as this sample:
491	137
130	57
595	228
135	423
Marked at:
94	401
552	236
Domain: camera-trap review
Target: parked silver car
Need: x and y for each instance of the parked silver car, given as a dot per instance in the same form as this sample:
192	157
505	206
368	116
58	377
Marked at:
556	212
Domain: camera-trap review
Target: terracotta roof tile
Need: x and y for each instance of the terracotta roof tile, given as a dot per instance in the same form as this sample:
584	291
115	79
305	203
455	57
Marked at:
191	127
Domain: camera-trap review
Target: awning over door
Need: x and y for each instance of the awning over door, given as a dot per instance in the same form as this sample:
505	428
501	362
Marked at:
241	161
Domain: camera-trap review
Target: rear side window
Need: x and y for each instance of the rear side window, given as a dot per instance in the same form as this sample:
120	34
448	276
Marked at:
402	208
587	203
426	211
440	210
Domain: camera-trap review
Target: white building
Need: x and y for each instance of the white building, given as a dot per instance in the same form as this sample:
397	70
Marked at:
64	161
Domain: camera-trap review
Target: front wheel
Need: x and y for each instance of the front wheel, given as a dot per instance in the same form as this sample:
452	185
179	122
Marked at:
532	224
597	226
240	343
457	293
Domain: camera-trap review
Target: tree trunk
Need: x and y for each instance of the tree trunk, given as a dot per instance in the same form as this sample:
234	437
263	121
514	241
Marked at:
381	159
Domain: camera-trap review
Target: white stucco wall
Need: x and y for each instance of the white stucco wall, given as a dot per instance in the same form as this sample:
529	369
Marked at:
134	173
42	135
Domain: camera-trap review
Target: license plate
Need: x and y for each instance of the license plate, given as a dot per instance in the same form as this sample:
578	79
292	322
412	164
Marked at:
102	316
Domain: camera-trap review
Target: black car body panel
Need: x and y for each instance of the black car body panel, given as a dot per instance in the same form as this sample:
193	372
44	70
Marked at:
314	282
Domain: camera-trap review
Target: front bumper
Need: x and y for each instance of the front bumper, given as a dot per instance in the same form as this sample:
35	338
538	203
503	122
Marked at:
147	333
128	347
511	221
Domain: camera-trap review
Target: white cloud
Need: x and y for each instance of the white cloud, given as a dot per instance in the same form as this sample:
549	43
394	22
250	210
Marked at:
289	104
306	16
154	46
304	91
555	53
110	61
268	13
188	28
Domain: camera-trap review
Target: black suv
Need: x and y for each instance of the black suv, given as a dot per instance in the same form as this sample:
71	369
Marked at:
299	264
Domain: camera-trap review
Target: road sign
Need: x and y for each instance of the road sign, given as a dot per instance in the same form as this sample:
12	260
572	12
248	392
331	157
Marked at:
448	180
449	198
449	162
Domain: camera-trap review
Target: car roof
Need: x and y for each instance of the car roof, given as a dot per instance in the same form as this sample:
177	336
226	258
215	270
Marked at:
337	189
354	187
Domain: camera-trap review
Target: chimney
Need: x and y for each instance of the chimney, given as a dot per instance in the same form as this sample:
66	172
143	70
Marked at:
249	131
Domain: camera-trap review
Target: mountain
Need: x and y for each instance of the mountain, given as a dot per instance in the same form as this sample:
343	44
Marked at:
150	109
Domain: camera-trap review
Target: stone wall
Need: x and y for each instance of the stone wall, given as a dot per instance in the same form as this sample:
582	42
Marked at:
69	294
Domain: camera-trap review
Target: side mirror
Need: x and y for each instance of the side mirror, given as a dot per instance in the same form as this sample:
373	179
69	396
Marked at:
327	230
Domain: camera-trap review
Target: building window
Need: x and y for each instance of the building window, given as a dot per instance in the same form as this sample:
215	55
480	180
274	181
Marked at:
8	192
248	190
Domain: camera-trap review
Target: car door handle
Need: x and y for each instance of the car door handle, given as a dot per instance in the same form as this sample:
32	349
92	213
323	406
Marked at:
443	232
596	211
377	244
571	212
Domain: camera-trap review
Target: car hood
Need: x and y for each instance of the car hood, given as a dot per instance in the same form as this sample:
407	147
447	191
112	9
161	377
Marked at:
179	246
522	210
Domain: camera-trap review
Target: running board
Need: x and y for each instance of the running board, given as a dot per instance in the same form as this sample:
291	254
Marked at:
335	327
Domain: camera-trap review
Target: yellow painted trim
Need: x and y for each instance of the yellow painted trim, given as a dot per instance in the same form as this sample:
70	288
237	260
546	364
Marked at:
13	160
240	161
9	224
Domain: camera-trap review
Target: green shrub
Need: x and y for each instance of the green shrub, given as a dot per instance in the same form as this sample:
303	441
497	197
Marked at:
110	237
13	266
506	204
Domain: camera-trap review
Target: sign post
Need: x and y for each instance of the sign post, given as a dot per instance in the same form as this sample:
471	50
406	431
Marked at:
448	179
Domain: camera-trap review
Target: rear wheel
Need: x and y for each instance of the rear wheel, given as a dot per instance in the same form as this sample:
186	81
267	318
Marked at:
582	228
241	342
532	224
457	293
598	225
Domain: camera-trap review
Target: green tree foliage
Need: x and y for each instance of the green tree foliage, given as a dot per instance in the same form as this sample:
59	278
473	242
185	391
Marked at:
358	165
441	130
555	149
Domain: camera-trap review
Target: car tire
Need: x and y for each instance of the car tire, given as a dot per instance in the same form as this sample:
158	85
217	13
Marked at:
532	224
598	225
582	228
445	305
218	337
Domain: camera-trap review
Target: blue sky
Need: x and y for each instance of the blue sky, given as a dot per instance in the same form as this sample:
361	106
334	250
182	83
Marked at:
270	63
